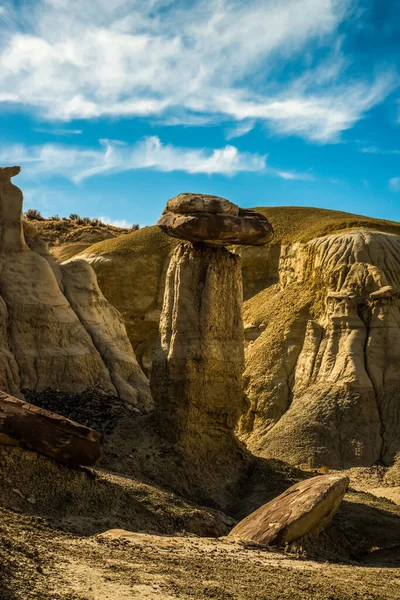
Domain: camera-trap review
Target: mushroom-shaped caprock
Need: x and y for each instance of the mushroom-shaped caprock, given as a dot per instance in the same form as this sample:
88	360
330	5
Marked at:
214	221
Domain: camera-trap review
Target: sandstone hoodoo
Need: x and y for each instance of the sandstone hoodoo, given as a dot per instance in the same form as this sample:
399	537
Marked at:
214	221
44	432
306	508
197	369
57	330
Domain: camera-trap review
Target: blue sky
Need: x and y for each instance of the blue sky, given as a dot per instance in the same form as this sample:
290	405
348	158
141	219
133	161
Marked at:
114	106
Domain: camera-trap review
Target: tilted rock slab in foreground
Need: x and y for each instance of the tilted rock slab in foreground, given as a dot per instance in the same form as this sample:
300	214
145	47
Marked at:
56	328
305	508
44	432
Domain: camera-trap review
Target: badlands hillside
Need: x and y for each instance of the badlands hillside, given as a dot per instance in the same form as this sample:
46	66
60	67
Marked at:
135	460
321	323
67	236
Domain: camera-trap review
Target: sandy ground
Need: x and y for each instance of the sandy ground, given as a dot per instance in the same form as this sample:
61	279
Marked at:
40	562
61	545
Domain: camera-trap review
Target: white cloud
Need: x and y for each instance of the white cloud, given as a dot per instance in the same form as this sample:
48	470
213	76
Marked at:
239	130
115	222
375	150
58	131
206	60
291	175
149	153
394	184
8	97
79	164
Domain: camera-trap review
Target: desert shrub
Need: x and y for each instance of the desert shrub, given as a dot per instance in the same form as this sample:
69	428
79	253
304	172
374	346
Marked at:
74	217
135	227
95	222
54	218
60	225
81	221
33	215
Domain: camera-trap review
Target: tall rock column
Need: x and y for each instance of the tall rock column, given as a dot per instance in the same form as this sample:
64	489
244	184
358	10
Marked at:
11	234
197	369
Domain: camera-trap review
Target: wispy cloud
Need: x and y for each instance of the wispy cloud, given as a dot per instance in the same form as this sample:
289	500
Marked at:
112	156
375	150
58	131
394	184
149	153
181	63
115	222
291	175
239	130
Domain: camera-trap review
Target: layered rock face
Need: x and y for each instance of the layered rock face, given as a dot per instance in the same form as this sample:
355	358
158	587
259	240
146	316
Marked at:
56	328
325	391
131	273
197	369
335	410
131	269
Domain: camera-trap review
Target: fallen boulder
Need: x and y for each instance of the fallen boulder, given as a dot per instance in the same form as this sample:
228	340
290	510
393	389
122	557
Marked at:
47	433
305	508
214	221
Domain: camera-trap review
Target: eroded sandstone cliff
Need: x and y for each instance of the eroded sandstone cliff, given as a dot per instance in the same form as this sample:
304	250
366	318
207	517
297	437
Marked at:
325	389
320	330
56	328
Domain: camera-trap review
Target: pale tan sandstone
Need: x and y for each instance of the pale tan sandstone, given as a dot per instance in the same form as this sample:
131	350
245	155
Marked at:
44	344
308	331
107	330
131	272
306	508
325	391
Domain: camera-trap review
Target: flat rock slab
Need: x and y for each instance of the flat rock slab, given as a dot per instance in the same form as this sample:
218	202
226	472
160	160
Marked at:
202	203
47	433
307	507
214	221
